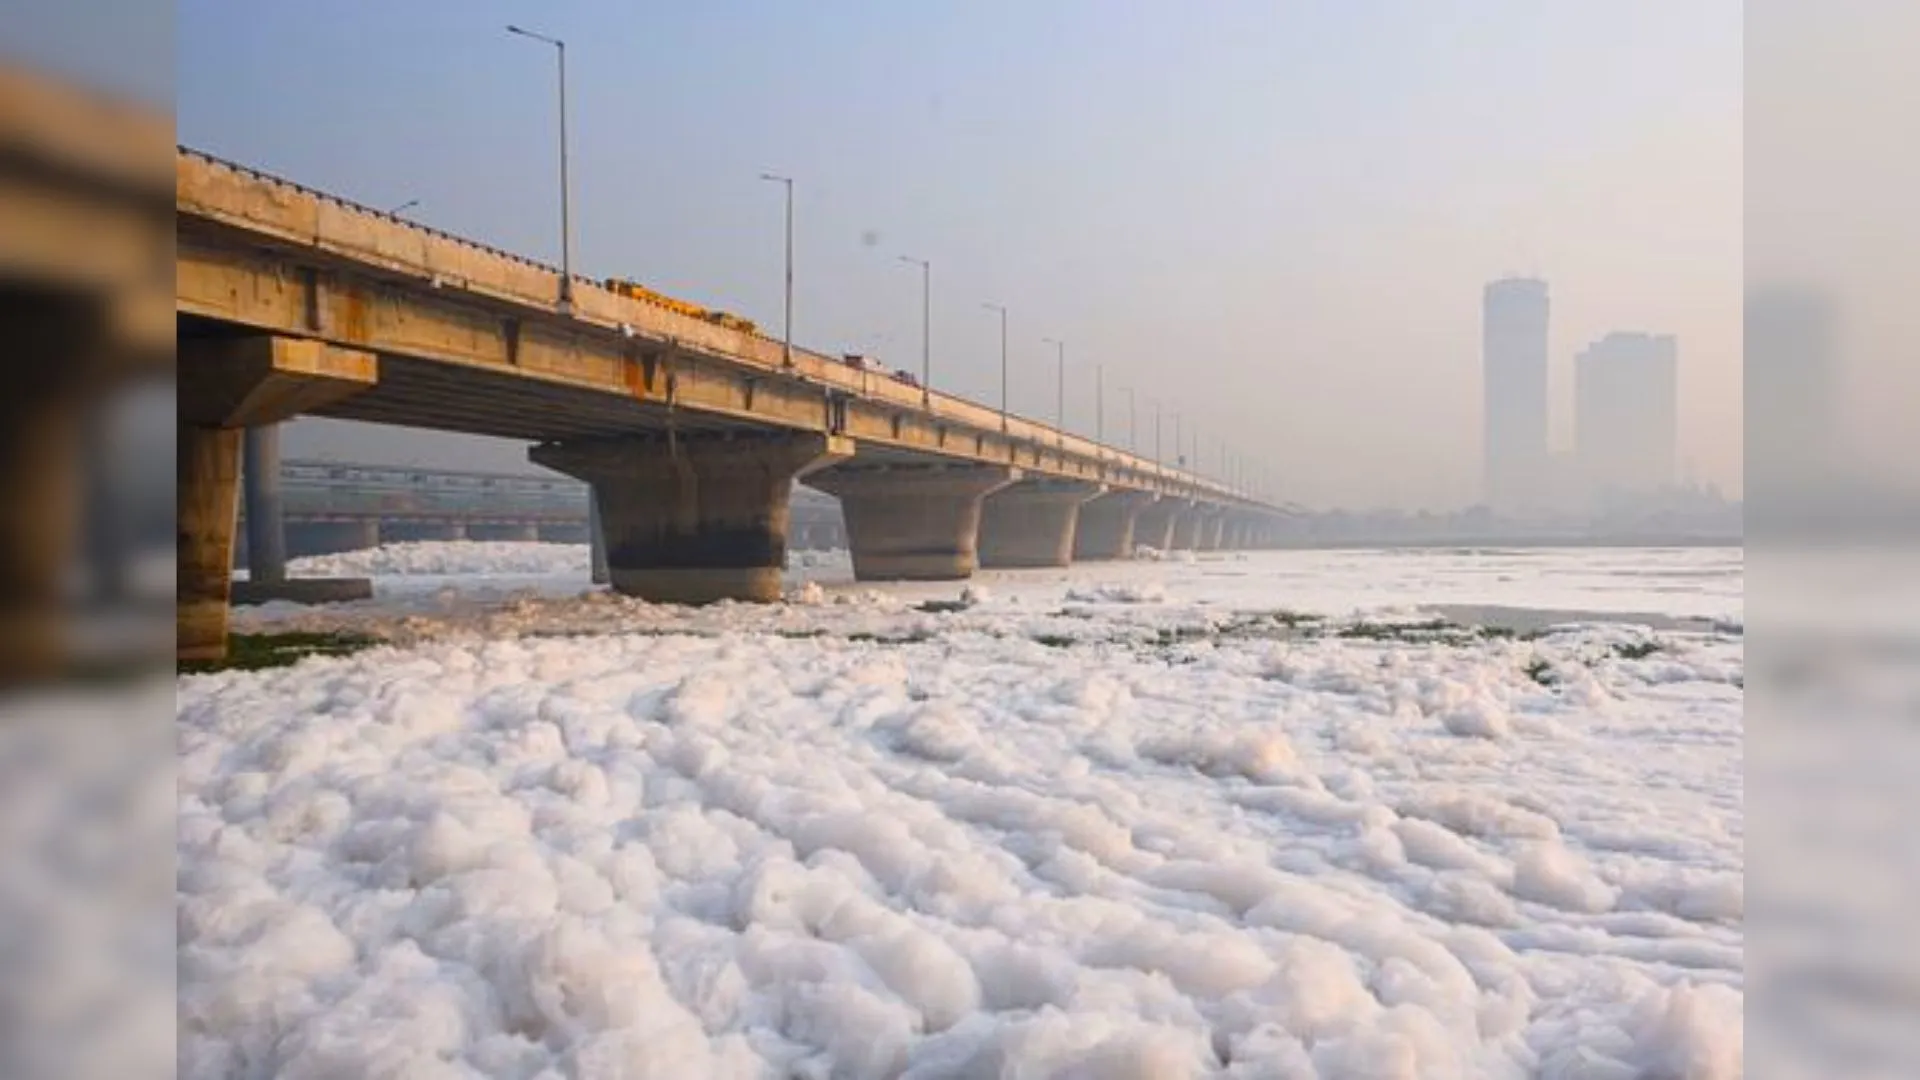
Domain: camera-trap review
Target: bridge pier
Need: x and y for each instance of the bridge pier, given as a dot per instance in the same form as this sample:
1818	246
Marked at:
1032	523
1207	536
225	385
916	523
1154	527
266	525
691	521
1106	526
596	543
1186	528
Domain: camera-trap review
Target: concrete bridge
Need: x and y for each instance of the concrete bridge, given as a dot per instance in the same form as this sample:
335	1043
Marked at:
689	433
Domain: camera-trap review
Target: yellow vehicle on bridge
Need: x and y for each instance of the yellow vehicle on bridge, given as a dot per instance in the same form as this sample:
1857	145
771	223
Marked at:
635	291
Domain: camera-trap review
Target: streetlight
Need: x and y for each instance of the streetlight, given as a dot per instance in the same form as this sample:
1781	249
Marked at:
1156	432
1100	403
566	228
786	330
1133	423
1179	444
1003	361
926	326
1060	400
403	207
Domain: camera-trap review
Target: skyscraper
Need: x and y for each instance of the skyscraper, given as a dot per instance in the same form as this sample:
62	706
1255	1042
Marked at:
1626	413
1514	392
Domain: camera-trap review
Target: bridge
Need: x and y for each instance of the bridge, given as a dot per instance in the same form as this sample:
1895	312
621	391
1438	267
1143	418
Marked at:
689	433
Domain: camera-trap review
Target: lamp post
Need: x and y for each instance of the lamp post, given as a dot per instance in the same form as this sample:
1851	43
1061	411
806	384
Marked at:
403	207
1100	404
1156	431
566	227
786	327
1003	361
1133	422
926	327
1060	398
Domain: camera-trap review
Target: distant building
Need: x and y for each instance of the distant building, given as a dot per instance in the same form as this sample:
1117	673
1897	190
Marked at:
1626	414
1514	392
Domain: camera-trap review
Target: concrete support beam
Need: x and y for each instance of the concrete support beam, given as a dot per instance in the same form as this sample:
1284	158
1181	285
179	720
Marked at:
913	524
1106	528
691	521
209	489
1155	525
226	384
596	543
1186	528
1032	523
1208	536
266	525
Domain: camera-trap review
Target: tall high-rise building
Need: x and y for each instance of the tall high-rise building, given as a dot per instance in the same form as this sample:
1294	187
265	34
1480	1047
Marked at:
1513	351
1626	414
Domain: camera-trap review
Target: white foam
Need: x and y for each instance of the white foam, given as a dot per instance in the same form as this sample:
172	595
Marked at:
857	838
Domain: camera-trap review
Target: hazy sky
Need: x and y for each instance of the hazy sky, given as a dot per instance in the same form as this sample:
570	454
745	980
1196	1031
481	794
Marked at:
1275	218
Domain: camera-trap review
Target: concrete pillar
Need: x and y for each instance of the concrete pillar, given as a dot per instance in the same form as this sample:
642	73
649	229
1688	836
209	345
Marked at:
596	543
690	521
1032	523
224	385
1232	533
522	532
1208	536
1106	528
266	526
1186	528
208	498
1154	527
913	523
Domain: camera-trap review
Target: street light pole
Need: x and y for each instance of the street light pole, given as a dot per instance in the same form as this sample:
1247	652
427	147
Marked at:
1100	404
1156	431
1003	361
786	329
403	207
566	225
1133	423
1060	399
926	326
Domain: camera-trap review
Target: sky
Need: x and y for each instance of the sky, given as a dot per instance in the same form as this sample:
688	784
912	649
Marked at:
1272	219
